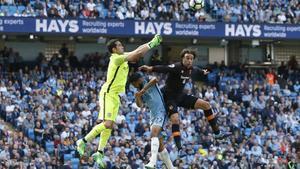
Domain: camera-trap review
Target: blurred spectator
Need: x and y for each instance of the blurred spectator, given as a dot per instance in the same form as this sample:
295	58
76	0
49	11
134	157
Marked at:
64	51
270	76
292	63
90	5
225	11
155	58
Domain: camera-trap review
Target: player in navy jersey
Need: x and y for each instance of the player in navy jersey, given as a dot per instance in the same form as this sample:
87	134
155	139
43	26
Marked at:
150	95
174	96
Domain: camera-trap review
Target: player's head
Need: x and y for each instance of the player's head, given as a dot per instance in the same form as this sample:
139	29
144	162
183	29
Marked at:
188	56
136	79
115	46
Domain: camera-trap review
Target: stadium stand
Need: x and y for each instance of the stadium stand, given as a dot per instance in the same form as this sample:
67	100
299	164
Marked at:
251	11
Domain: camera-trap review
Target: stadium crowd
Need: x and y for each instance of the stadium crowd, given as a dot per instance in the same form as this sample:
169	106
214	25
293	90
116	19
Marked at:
257	11
54	103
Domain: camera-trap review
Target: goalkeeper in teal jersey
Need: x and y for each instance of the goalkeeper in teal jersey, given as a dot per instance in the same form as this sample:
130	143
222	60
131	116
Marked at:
150	95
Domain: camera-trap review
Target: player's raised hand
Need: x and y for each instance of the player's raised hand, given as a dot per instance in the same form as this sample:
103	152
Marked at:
142	91
205	71
155	41
145	68
139	94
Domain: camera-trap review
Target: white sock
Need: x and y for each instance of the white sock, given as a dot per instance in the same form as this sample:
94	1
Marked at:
164	155
154	150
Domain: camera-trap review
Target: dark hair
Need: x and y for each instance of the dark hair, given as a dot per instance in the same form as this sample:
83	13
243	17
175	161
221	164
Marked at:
111	44
188	51
134	77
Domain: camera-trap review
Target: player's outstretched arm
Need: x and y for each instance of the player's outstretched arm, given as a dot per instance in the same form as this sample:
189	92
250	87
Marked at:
205	71
152	82
158	68
138	100
139	94
199	74
141	50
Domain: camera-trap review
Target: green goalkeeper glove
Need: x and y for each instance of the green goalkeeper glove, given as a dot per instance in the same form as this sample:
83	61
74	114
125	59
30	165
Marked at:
155	41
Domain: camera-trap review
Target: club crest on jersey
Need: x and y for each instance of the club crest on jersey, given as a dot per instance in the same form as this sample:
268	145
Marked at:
171	107
172	66
109	114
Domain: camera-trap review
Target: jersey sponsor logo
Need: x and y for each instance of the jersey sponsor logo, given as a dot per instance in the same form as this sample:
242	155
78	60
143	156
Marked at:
172	66
125	67
184	77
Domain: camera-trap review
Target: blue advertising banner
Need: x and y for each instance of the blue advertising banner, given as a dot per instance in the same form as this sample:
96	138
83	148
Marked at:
145	28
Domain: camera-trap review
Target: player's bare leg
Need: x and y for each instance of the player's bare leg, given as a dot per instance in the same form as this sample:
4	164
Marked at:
212	120
157	148
155	130
176	130
164	155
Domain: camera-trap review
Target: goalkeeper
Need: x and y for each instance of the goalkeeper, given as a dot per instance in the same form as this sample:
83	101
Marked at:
117	73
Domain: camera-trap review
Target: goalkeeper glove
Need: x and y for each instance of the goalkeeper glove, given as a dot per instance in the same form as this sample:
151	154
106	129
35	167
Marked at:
155	41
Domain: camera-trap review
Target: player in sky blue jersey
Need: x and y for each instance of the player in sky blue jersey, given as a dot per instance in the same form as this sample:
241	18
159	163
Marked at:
150	95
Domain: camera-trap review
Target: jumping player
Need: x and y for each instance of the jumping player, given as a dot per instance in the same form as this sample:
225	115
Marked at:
174	96
109	95
150	95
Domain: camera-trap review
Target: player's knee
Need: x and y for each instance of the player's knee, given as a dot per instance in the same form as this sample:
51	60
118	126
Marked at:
175	118
161	148
207	106
203	104
109	124
155	131
161	144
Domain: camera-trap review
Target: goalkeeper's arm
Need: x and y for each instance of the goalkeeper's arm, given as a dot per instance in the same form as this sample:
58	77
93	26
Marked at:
141	50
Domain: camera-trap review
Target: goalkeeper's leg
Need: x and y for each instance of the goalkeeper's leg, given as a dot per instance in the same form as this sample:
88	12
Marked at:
90	136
